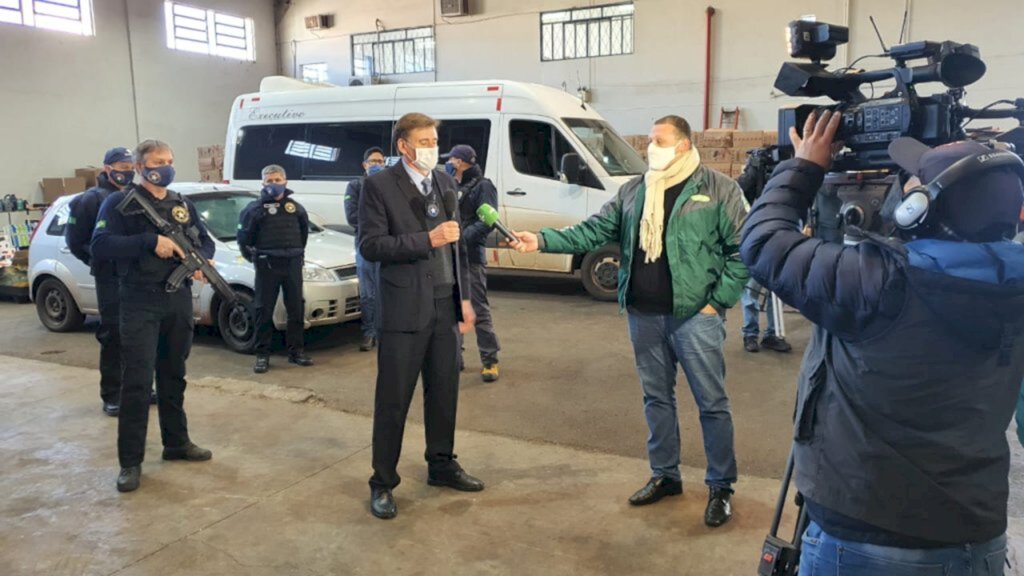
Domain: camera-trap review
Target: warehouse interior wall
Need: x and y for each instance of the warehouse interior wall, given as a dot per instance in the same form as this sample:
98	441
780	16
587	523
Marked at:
67	98
665	74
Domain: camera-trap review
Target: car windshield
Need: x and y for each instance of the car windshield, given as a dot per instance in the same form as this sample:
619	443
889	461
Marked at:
221	210
617	157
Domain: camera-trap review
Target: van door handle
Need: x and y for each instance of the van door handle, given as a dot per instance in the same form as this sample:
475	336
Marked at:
516	192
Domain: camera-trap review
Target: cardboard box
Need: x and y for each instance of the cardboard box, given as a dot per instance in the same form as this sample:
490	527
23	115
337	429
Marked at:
698	139
717	138
723	167
715	154
204	151
737	169
739	155
747	140
211	176
90	173
206	163
771	138
54	188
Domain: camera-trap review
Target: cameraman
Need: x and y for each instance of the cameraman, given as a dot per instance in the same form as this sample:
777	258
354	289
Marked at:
911	375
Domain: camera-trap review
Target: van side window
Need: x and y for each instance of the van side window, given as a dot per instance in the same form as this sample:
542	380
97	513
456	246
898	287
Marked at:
537	148
335	151
259	146
475	133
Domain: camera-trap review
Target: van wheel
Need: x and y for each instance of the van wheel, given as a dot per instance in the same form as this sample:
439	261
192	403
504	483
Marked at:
57	310
237	323
600	273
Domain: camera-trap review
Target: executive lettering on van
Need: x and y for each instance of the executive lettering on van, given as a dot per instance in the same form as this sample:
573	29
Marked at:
285	114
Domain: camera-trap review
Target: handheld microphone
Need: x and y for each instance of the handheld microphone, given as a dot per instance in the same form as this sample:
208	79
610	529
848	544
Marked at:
449	205
489	216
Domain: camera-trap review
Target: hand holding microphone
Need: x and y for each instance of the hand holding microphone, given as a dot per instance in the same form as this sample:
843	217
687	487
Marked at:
489	216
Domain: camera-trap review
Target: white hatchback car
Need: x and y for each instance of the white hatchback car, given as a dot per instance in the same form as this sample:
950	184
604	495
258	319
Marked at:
64	291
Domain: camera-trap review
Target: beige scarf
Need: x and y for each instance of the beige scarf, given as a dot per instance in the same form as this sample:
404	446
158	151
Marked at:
652	222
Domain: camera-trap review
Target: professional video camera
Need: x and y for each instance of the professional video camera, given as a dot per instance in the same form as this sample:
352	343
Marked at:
863	174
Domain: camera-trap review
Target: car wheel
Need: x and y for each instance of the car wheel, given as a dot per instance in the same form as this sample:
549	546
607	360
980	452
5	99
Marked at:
600	273
57	310
237	323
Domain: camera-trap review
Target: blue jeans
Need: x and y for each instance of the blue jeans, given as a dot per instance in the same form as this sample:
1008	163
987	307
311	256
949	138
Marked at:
660	343
369	273
751	311
823	554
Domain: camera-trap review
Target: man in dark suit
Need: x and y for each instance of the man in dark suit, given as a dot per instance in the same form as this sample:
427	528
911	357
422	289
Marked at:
407	220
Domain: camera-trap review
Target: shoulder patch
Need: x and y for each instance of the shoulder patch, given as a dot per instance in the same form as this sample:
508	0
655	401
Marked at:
72	220
101	224
700	198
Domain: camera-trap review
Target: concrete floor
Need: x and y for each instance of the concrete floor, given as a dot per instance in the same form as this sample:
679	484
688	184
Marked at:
559	441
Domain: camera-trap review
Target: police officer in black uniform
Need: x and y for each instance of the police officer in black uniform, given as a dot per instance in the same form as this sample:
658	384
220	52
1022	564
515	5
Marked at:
272	234
118	172
156	325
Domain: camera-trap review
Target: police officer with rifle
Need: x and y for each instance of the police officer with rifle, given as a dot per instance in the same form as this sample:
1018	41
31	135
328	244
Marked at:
160	246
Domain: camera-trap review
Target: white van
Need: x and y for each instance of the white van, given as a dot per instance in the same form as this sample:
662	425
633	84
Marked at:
553	159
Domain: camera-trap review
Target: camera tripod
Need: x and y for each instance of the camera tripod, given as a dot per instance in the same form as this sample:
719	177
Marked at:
781	557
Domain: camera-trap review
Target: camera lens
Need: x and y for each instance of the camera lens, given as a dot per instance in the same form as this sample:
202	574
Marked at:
853	216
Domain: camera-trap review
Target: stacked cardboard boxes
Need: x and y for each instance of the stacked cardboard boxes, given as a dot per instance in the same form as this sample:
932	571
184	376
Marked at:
721	150
211	163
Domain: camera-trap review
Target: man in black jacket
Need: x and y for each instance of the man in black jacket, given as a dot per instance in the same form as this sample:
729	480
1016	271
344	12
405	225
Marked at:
272	234
915	362
474	191
373	162
407	223
118	172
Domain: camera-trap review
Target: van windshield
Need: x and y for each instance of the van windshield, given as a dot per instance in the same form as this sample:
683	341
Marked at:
617	157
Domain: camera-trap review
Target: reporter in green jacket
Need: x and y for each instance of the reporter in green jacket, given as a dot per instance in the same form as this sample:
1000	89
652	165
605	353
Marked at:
678	227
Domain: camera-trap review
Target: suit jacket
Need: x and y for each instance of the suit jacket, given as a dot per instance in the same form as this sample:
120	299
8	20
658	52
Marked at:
393	231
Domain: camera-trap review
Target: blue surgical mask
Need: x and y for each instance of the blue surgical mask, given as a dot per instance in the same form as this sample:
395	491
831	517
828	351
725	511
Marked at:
274	190
450	169
373	169
122	177
161	176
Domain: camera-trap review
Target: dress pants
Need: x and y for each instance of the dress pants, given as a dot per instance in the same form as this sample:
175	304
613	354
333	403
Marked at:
402	357
274	275
108	298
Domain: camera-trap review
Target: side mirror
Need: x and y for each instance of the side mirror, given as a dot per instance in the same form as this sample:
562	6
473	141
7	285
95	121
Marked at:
572	168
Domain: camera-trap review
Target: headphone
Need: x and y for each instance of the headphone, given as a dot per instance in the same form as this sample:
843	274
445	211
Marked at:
914	211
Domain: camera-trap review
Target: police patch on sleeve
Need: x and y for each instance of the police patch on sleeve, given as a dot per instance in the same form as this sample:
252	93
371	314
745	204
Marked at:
289	207
180	214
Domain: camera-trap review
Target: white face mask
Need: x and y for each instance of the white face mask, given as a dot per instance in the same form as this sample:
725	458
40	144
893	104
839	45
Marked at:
426	158
659	157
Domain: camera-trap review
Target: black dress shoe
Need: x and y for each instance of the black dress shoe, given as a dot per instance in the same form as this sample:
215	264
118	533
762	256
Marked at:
455	478
656	489
776	343
368	343
189	452
128	479
111	409
262	364
300	359
719	509
750	344
382	503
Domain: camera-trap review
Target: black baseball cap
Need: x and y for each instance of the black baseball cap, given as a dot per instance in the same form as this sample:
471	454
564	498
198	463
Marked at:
119	154
371	151
979	207
463	152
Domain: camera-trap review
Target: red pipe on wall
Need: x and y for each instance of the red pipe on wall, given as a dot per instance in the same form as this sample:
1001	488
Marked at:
707	71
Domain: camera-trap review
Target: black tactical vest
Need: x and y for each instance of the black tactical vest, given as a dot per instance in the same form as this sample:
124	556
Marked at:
279	227
150	269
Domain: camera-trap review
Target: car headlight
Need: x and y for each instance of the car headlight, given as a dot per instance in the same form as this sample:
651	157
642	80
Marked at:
317	273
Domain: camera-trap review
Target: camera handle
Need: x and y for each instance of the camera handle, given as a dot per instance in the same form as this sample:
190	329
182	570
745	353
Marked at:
782	557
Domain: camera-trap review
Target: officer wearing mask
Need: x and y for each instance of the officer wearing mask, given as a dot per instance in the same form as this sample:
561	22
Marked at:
915	361
272	234
118	172
373	162
156	326
475	191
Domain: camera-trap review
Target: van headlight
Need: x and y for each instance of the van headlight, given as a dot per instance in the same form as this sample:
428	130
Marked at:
316	273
